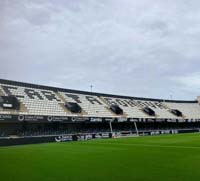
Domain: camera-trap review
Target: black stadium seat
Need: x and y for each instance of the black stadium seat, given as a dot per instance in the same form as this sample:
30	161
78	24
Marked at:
116	109
73	107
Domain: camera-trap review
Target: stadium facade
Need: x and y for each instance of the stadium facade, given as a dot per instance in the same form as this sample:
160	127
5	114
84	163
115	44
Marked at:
43	114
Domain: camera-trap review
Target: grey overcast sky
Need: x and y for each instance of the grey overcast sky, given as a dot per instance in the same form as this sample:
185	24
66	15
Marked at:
146	48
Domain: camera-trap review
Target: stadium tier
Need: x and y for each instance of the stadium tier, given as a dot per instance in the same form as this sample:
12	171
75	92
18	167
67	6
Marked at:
39	100
29	109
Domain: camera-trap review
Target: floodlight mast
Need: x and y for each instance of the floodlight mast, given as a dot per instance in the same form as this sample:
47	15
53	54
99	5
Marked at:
91	86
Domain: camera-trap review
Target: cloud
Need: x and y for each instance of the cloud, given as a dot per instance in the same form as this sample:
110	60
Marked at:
139	48
189	81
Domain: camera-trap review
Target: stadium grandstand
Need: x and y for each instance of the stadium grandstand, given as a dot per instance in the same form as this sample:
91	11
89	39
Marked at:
34	113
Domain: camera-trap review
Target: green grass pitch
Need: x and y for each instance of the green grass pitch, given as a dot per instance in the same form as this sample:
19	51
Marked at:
166	157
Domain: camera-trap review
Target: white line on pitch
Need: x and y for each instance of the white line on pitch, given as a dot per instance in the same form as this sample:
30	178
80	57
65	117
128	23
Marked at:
152	145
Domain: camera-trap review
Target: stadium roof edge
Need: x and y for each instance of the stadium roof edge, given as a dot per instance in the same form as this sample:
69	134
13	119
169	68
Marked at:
31	85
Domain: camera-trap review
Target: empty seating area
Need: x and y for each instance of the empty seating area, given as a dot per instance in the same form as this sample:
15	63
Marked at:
189	110
49	101
37	101
91	105
34	110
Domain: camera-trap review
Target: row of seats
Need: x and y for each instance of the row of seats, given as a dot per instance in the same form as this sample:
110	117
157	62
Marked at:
40	101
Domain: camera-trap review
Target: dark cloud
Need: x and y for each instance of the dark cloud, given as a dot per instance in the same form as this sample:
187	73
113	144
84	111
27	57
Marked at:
140	48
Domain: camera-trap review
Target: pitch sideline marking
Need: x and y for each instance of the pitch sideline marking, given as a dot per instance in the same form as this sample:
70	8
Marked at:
151	145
